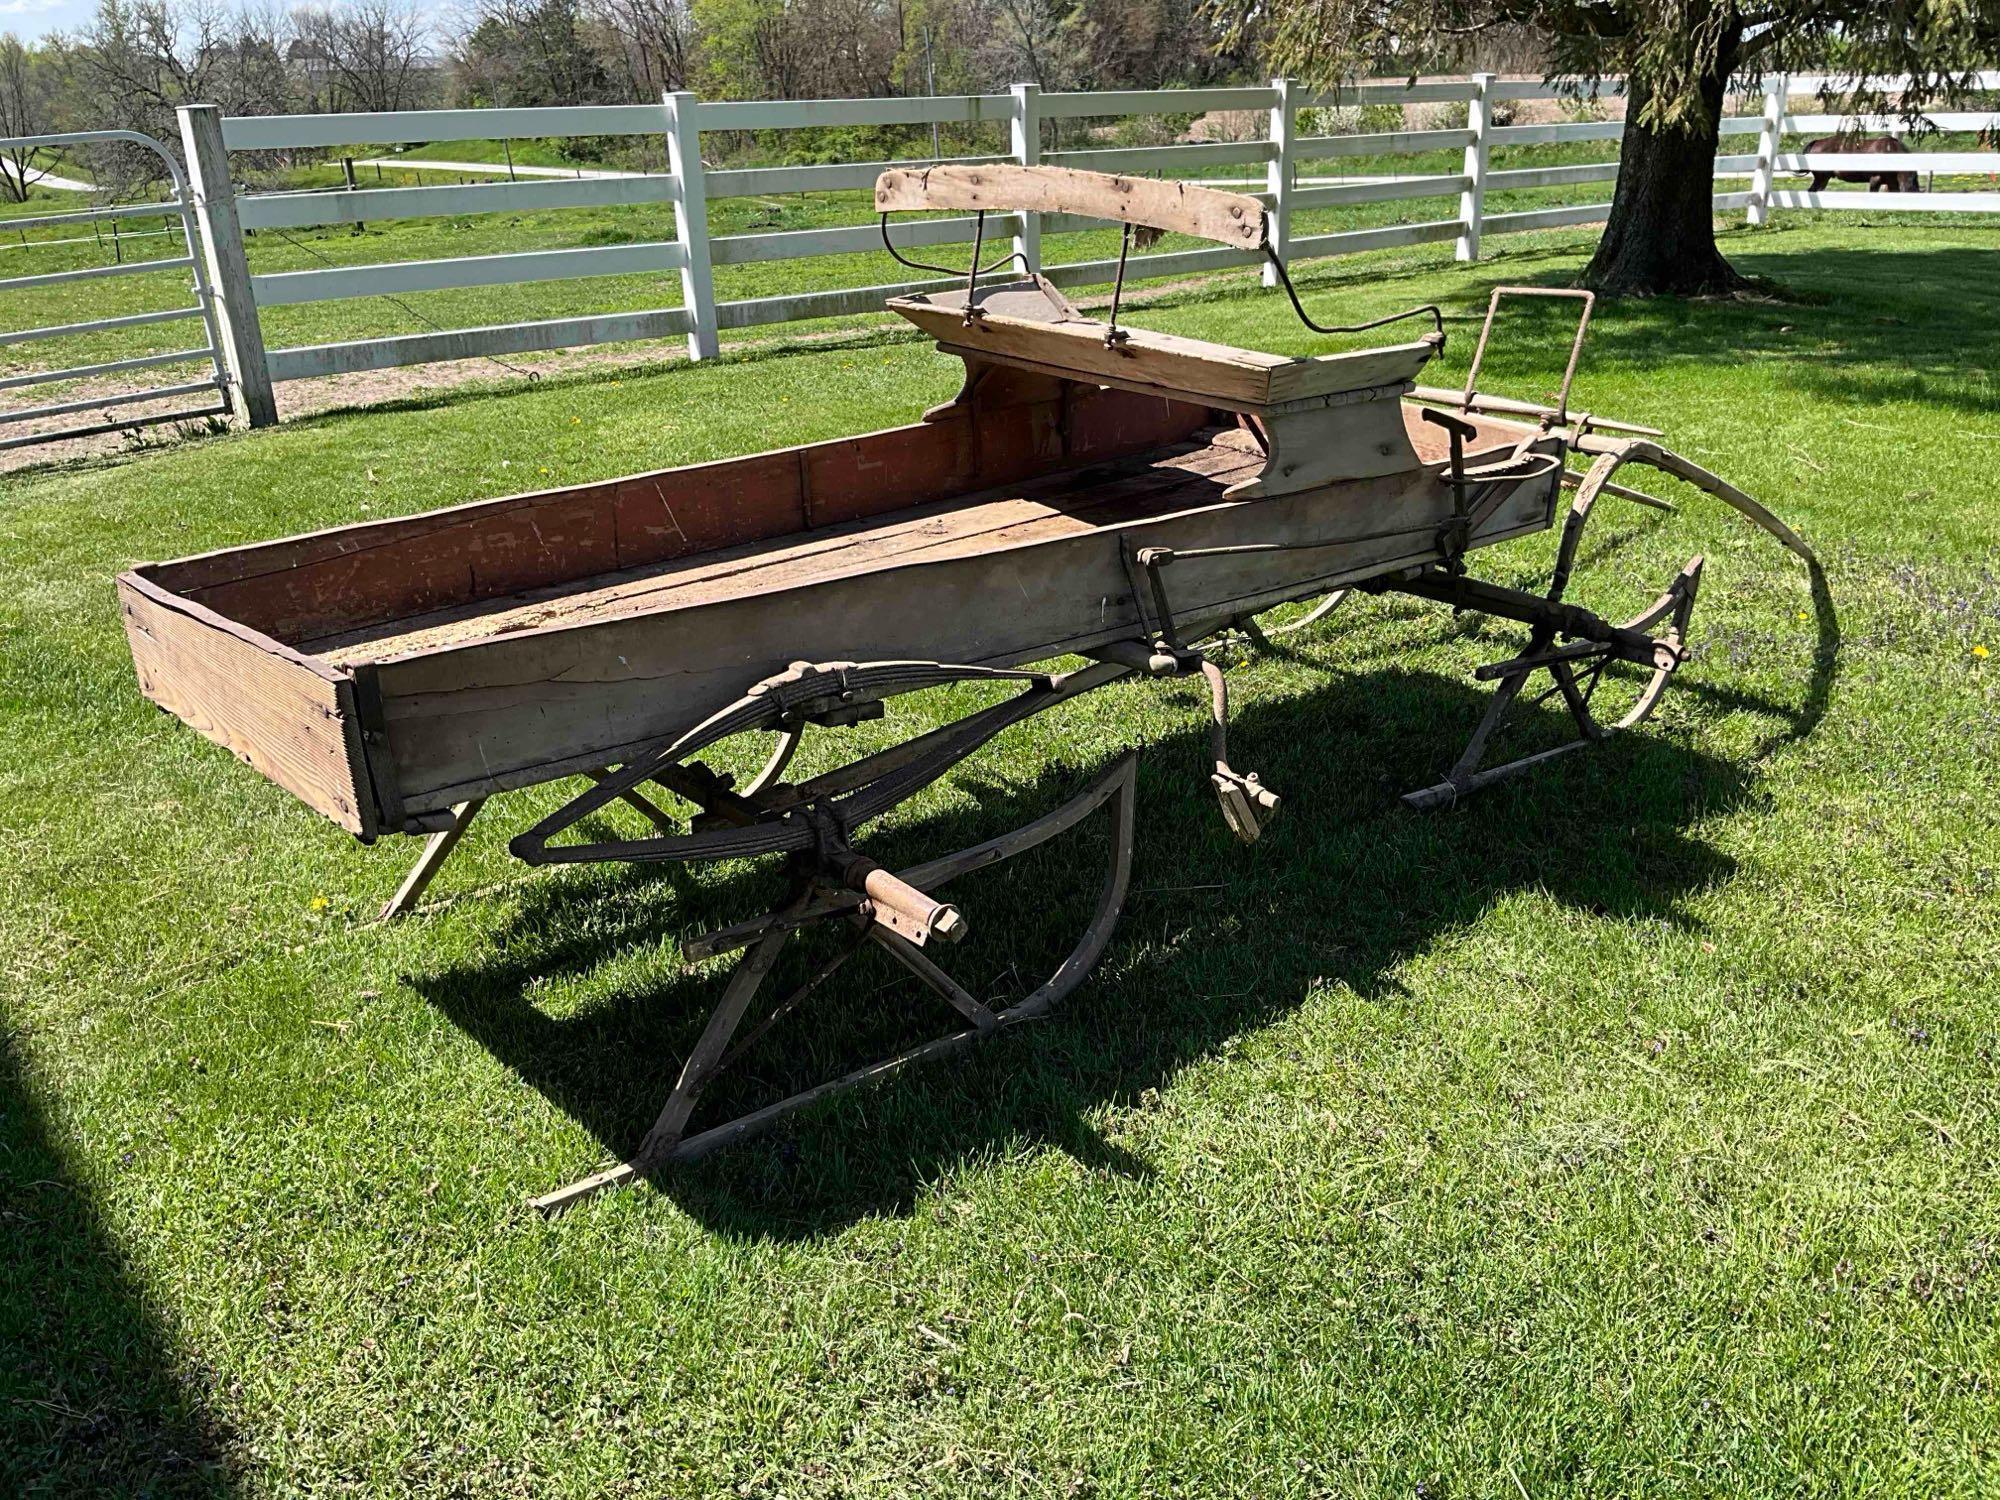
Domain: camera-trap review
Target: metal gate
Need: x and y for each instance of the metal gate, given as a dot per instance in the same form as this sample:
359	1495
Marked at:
213	391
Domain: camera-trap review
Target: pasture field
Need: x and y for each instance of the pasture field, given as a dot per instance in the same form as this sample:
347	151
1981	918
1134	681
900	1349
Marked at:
71	247
1630	1129
499	234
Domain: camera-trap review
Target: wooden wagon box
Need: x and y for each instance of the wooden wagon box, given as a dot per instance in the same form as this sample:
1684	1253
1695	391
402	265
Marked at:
385	671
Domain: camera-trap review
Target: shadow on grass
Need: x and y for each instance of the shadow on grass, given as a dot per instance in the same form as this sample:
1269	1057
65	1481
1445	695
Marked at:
1217	939
1857	326
92	1400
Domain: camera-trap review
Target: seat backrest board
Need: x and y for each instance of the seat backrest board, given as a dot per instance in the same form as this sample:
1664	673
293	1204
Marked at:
1232	219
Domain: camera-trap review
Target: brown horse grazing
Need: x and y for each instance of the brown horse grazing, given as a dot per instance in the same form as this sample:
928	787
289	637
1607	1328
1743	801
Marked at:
1872	145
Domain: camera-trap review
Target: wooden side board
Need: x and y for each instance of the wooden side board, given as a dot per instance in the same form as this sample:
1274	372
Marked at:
1327	444
516	709
285	714
1232	219
1244	380
381	738
352	577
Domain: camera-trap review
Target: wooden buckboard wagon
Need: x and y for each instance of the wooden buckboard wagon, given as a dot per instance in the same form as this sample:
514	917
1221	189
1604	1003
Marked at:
1094	491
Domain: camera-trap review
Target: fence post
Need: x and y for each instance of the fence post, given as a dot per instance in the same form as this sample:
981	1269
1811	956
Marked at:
1472	197
234	303
1777	95
1278	174
1025	131
690	200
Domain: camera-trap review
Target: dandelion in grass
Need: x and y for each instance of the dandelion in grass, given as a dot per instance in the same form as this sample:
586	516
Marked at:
1981	652
320	905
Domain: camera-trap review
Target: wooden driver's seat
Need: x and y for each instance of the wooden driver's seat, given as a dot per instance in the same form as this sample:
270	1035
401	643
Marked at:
1322	418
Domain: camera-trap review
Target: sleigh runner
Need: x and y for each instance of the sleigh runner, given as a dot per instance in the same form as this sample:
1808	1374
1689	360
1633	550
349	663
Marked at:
1093	491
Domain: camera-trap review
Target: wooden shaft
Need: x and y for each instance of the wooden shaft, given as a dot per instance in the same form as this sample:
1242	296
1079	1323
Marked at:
1530	609
1115	785
1483	402
437	849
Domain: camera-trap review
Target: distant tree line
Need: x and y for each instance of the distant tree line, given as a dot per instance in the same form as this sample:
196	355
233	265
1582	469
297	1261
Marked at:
135	61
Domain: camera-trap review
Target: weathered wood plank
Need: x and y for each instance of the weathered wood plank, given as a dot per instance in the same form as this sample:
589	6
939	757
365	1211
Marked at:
1178	207
1037	509
518	708
516	641
1194	370
289	717
329	583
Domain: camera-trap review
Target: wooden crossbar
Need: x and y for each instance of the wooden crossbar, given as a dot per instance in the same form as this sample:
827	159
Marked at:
1233	219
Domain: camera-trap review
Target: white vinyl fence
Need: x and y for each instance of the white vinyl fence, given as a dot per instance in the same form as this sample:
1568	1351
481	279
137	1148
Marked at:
1284	159
1777	122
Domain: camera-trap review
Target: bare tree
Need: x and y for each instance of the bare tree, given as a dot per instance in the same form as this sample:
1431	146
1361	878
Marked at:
657	38
365	55
1037	41
138	60
26	103
529	53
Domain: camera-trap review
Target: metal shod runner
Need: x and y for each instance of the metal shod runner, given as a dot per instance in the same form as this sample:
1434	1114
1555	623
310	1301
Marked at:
214	388
1577	669
812	823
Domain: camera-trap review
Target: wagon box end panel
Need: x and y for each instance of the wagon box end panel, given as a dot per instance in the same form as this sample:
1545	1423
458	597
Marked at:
290	718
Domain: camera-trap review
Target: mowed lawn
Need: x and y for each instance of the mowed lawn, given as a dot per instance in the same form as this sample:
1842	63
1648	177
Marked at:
1628	1129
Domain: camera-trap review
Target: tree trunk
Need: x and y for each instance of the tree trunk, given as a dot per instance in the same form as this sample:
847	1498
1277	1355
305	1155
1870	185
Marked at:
1660	240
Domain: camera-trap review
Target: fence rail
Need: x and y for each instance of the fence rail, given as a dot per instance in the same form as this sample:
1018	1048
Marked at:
1281	158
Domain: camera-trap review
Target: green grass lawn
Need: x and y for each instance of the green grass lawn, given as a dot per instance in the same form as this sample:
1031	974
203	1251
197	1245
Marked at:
1629	1129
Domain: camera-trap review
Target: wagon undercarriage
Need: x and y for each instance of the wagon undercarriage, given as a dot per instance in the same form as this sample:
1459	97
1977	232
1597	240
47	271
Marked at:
813	823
